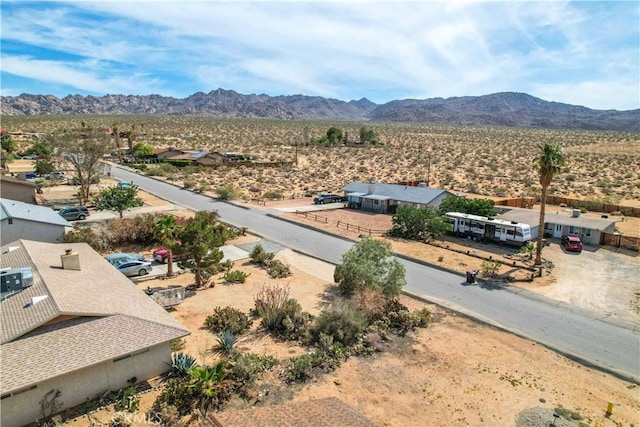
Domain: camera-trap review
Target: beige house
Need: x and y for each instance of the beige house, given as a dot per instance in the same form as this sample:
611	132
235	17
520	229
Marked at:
73	327
17	189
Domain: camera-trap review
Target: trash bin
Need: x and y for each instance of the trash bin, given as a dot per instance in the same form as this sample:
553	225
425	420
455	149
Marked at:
471	276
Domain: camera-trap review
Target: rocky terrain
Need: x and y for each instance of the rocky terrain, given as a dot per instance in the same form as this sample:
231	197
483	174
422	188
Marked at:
500	109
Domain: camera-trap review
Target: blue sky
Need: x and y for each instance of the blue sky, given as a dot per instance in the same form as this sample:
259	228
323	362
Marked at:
584	53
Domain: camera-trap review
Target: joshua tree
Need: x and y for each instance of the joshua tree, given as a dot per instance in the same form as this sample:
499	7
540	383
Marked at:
548	163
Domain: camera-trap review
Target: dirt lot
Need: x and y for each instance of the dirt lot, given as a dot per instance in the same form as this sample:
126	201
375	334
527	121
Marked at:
455	373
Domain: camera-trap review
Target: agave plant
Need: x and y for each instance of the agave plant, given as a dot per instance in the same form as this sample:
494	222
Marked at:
181	363
226	343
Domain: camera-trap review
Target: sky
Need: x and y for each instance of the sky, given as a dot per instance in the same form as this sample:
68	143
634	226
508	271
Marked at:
583	53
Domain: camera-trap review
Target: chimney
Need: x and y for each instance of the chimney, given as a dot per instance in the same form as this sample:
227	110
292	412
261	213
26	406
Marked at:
371	187
70	260
575	213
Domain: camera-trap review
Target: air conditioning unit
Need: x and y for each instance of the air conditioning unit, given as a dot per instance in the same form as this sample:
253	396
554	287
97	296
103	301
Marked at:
11	280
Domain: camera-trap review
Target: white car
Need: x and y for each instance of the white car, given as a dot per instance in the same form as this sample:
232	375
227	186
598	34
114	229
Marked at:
133	267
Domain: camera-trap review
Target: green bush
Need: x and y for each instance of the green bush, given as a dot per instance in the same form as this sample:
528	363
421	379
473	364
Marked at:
261	257
340	321
282	315
324	359
138	166
278	270
273	194
490	268
228	319
235	276
179	394
227	192
245	368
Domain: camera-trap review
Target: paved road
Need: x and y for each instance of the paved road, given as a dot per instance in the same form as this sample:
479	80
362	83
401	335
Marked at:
577	333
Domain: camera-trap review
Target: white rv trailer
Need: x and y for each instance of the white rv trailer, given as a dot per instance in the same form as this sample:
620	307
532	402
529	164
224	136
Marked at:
510	232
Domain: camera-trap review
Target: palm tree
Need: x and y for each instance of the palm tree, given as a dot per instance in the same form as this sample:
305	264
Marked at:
548	164
165	231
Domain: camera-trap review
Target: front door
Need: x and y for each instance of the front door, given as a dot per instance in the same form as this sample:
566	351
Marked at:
557	230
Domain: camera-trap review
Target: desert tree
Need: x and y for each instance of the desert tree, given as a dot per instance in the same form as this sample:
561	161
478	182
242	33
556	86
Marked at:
548	163
118	199
165	231
370	263
200	242
7	143
481	207
116	139
84	150
422	224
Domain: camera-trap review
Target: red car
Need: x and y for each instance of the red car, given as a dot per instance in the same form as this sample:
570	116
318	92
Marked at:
571	243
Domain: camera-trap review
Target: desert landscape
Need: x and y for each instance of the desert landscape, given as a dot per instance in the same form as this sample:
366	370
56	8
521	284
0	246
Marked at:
456	372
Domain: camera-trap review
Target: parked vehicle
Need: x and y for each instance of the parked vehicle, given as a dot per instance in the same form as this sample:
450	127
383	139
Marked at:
323	198
490	228
71	213
134	268
30	157
56	176
123	184
121	256
571	243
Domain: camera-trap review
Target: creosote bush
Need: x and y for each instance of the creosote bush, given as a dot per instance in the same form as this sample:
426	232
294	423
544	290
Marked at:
278	270
235	276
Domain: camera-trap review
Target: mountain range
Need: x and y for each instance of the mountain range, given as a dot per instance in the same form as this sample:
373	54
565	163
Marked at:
499	109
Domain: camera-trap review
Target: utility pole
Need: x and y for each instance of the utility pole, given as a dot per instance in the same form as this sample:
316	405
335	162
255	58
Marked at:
428	167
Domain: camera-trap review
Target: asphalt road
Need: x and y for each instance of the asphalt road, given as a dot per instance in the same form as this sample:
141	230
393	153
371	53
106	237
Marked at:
579	334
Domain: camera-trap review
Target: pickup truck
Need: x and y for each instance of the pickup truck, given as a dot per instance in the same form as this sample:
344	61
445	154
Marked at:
323	198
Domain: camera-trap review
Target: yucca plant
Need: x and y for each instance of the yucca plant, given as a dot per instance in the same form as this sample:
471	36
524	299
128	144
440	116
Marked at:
226	343
181	363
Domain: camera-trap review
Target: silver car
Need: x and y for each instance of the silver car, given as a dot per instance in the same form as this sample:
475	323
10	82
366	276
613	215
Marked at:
132	267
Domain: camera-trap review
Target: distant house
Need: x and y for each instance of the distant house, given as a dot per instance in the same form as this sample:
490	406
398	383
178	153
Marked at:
73	324
379	197
20	220
167	153
558	224
17	189
190	155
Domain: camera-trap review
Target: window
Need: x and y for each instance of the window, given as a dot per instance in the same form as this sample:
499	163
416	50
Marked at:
573	230
10	220
588	233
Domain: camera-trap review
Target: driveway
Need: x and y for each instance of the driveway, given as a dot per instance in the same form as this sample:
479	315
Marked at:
602	279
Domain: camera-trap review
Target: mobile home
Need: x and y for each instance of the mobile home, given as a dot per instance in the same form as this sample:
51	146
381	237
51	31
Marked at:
509	232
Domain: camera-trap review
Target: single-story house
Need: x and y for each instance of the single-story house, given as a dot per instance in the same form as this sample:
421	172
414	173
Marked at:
17	189
561	223
379	197
73	328
190	155
167	153
20	220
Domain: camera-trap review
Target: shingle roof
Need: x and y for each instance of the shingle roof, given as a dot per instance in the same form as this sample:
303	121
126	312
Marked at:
327	412
402	193
26	211
98	294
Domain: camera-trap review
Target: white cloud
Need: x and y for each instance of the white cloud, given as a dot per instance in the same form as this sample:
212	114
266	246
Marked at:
381	50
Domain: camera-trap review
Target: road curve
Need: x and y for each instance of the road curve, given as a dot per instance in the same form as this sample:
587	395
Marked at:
579	334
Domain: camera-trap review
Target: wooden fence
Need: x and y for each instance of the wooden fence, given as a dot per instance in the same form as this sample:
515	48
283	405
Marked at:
519	202
313	216
359	229
620	241
593	206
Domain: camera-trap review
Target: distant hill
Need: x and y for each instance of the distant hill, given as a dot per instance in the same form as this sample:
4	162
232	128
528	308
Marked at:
499	109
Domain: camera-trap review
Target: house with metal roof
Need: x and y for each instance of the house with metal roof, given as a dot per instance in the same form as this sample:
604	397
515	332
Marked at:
379	197
73	327
20	220
558	223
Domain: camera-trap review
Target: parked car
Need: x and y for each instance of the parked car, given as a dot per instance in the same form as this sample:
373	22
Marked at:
123	184
160	256
30	157
121	256
133	268
56	176
323	198
71	213
571	243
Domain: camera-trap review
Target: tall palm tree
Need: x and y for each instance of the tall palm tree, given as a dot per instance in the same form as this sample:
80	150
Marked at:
548	164
165	231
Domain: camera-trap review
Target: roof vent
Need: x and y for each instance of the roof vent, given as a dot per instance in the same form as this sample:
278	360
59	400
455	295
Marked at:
575	213
36	300
70	260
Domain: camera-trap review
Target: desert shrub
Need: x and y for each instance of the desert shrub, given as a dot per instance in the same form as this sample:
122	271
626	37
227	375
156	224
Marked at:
326	358
166	416
370	302
340	321
163	169
490	268
138	166
179	394
296	327
273	194
202	187
85	235
227	192
374	341
177	344
270	298
226	343
282	315
181	363
189	183
228	319
278	270
128	399
259	256
136	230
245	368
179	163
235	276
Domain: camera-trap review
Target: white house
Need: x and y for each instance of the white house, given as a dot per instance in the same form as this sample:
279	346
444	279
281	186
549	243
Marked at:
20	220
